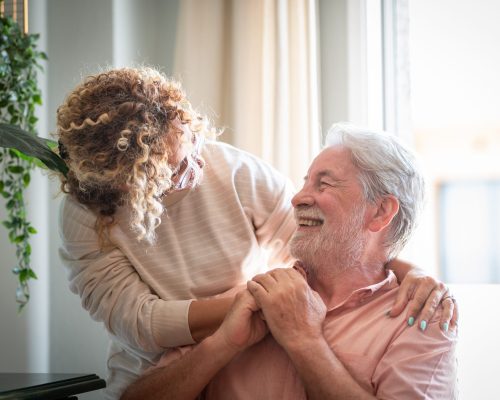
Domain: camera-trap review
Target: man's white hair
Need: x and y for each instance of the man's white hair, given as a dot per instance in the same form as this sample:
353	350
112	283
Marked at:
386	168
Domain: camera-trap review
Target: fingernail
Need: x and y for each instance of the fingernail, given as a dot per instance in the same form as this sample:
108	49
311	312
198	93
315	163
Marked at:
445	326
411	321
423	325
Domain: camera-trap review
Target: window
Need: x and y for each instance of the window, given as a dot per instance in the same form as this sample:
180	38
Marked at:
469	231
455	97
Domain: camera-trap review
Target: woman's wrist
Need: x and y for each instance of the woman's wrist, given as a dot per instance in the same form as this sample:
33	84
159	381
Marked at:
205	316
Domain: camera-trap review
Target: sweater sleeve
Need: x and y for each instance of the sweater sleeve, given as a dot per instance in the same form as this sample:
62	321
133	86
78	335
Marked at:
112	291
266	196
274	230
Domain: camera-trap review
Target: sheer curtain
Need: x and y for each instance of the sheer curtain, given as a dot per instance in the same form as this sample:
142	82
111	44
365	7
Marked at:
252	67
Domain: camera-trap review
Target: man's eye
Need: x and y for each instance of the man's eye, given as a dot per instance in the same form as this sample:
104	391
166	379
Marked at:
328	184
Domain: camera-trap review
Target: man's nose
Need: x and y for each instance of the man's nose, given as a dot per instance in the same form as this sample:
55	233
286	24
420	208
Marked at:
302	198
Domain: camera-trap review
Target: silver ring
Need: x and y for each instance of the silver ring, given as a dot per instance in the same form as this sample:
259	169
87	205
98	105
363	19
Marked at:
449	296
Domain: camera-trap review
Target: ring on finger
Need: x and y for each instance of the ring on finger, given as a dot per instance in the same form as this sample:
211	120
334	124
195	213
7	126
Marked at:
449	296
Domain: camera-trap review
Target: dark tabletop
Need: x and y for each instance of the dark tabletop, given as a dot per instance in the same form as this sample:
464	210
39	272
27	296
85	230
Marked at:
46	386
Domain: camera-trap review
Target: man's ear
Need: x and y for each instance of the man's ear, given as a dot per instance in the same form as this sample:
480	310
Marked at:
387	208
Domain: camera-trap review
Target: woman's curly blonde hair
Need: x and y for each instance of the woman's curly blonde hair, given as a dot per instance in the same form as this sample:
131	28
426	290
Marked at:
116	133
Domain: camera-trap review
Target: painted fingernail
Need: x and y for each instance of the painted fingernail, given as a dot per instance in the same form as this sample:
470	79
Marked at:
411	321
445	326
423	325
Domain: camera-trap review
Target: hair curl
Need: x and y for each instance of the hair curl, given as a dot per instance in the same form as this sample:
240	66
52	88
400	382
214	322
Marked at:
116	132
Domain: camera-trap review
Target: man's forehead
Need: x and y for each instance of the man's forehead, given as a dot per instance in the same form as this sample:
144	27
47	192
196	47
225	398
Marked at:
334	160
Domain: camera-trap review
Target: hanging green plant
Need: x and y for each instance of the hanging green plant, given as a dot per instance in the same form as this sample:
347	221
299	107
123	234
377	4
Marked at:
19	94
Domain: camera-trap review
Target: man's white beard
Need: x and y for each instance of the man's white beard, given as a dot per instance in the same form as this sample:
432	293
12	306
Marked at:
332	249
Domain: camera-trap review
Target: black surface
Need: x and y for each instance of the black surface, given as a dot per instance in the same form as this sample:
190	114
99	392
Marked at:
46	386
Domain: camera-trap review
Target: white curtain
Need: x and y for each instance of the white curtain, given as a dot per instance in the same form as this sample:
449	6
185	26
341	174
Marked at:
252	66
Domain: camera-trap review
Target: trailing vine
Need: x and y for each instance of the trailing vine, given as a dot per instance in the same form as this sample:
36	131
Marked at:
19	94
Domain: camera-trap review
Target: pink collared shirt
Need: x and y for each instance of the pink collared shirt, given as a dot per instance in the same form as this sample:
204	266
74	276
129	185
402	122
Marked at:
384	355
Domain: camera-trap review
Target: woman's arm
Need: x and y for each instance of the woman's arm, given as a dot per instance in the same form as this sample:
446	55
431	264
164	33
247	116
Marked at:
205	316
112	291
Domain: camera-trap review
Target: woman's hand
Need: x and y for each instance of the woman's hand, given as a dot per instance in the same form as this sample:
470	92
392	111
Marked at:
424	294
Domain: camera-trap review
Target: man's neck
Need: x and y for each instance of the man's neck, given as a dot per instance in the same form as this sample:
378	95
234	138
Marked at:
335	283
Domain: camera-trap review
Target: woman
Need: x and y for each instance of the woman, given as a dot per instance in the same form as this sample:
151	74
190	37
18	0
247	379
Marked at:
148	248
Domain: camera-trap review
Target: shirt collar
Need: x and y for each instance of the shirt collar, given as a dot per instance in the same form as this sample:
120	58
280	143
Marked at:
365	294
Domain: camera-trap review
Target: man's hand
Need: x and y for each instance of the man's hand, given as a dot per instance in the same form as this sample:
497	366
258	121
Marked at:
424	294
243	325
293	311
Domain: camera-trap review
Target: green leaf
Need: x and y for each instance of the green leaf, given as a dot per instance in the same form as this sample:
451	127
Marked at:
31	145
7	224
18	154
23	275
32	274
15	169
32	230
26	179
19	239
51	143
37	99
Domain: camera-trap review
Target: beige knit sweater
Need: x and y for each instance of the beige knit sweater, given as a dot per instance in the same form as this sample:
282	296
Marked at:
233	226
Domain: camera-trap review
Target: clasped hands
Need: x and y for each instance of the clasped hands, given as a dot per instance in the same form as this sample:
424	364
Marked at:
281	301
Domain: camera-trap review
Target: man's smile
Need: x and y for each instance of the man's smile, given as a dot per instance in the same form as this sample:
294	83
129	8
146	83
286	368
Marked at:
305	221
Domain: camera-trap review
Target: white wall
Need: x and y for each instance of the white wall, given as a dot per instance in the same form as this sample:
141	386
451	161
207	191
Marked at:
478	346
14	350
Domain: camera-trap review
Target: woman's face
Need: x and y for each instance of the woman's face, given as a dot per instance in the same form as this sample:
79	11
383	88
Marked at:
185	160
180	143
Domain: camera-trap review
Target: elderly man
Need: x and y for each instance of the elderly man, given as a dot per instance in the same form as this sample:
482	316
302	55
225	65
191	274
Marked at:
330	337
